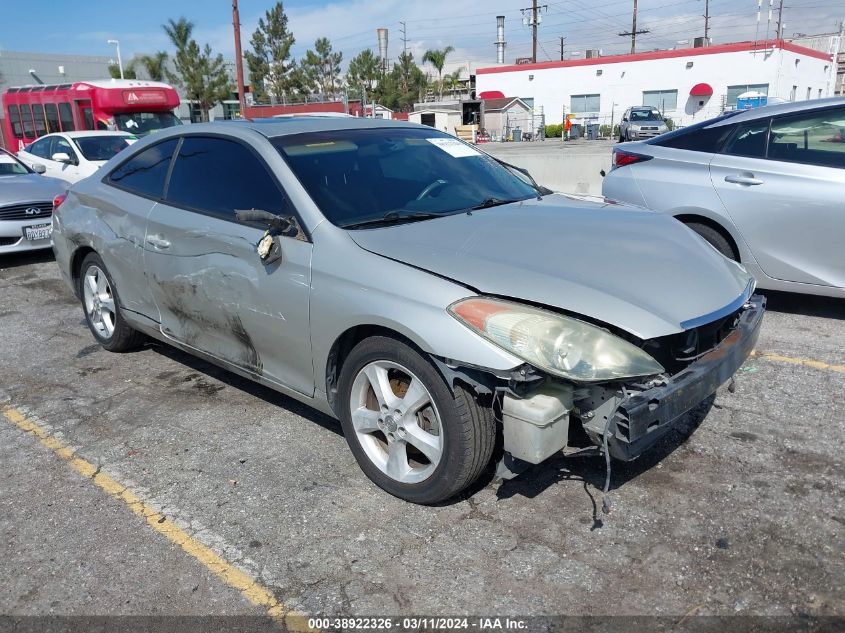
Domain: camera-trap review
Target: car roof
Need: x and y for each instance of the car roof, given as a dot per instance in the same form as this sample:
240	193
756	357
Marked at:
763	112
84	133
275	127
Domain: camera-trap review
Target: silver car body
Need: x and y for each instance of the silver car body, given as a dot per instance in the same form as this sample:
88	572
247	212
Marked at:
785	219
26	201
632	129
196	282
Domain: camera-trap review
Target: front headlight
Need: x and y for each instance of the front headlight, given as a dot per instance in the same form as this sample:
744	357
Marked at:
557	344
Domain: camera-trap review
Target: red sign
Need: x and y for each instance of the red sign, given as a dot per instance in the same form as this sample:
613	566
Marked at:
144	96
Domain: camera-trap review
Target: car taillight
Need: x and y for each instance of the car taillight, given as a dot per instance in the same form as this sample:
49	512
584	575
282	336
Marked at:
622	158
57	201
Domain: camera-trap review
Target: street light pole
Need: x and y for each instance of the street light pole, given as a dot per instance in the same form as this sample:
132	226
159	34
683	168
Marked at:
119	60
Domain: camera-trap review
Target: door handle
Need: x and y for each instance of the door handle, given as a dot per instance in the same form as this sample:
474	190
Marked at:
157	242
739	179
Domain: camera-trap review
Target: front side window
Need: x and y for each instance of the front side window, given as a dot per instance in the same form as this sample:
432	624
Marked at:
749	140
98	148
661	99
62	146
362	175
584	103
66	117
816	138
15	120
220	176
146	171
143	123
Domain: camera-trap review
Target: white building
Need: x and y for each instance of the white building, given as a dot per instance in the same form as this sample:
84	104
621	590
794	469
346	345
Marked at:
686	84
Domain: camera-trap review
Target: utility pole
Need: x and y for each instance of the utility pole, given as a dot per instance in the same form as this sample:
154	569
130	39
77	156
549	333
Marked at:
562	44
239	62
404	32
707	22
779	32
634	32
533	20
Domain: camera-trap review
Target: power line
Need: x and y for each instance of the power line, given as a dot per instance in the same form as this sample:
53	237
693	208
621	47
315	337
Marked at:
634	32
404	31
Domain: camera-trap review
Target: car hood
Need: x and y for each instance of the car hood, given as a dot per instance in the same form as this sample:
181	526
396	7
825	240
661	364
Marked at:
640	271
29	188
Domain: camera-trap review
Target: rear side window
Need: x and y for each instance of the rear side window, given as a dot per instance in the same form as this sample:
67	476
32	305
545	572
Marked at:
66	117
749	140
146	171
15	120
814	138
219	176
705	139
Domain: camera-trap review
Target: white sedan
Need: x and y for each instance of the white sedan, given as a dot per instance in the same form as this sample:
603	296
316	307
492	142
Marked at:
72	156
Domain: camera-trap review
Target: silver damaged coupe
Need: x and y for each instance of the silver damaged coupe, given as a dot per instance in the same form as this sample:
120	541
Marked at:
450	312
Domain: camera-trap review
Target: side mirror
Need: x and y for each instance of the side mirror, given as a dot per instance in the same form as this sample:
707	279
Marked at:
625	119
270	220
38	168
61	157
269	247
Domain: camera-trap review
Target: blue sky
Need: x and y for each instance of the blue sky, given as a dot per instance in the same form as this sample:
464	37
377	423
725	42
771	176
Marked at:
469	26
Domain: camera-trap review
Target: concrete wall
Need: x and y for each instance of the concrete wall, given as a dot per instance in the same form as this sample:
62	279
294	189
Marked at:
620	80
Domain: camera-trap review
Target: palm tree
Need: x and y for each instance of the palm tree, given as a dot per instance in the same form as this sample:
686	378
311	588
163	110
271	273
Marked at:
452	81
437	58
155	65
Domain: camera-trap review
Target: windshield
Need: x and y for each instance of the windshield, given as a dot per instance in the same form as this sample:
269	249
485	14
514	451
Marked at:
143	123
355	176
11	166
645	115
101	147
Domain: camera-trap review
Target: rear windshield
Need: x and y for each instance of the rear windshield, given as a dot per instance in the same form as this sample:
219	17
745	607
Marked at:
360	175
11	166
101	147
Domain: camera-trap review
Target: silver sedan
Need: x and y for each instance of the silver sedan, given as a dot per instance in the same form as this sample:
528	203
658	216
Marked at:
763	186
450	312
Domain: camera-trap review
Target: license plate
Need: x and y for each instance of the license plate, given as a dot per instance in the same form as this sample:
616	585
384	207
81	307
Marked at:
37	232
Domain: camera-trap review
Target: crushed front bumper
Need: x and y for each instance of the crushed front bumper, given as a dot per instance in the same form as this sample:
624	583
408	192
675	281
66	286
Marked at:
645	416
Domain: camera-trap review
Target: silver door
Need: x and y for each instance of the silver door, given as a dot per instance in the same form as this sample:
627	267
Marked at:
213	292
789	212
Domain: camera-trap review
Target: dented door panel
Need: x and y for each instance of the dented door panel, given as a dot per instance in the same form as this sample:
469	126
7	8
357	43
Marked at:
214	294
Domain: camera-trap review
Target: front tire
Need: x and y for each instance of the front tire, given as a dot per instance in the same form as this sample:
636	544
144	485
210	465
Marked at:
410	434
101	305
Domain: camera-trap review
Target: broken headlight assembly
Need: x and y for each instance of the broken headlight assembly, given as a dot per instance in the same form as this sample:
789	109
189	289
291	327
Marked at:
558	344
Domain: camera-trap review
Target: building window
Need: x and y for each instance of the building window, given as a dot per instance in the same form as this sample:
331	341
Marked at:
735	91
231	110
661	99
809	93
584	103
793	93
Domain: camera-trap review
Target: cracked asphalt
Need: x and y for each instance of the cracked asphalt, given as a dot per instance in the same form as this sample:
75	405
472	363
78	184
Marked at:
741	513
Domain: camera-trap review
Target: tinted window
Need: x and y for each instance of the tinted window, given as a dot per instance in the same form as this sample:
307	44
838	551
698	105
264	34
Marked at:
101	147
145	172
749	140
38	116
220	176
360	175
66	116
699	137
26	117
816	138
87	119
15	120
52	117
40	148
62	146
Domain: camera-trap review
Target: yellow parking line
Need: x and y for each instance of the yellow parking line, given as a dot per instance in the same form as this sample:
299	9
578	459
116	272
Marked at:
815	364
251	589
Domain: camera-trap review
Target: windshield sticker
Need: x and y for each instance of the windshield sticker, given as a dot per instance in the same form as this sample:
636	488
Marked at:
454	147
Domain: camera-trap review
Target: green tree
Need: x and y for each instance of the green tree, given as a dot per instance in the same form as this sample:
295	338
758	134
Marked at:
128	71
155	65
363	72
321	67
271	70
201	73
452	81
437	58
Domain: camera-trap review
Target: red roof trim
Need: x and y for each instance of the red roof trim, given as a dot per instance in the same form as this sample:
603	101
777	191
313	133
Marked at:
669	54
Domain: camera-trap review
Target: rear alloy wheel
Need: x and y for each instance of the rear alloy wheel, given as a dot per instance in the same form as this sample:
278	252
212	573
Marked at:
409	433
102	310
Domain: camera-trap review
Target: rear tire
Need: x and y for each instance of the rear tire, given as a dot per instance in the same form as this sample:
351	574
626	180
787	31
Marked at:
414	408
101	305
716	239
